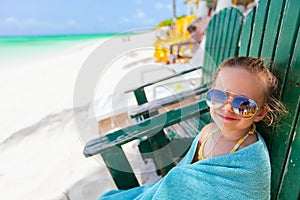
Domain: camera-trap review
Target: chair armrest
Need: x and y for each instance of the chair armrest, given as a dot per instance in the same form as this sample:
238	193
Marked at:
164	79
142	128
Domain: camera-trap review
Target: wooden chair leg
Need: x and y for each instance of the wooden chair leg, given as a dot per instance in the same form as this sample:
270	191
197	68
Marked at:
155	148
119	167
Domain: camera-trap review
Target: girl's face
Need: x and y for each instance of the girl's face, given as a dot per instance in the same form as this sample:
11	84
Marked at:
237	82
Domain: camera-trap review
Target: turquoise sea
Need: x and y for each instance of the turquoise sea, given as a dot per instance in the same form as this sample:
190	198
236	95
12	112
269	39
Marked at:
14	48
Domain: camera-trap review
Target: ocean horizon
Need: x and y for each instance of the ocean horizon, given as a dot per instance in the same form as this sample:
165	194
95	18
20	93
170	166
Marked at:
13	48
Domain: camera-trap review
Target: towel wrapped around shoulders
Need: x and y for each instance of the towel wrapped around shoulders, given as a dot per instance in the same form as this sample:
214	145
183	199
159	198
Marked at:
245	174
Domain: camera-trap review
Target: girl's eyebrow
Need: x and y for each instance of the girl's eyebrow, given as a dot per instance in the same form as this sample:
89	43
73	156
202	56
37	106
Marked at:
234	94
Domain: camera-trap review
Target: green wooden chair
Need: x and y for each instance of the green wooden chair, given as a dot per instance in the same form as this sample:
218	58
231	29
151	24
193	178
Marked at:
272	31
223	33
164	150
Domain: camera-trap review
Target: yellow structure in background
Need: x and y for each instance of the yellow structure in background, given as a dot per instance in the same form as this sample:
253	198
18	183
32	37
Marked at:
167	37
176	34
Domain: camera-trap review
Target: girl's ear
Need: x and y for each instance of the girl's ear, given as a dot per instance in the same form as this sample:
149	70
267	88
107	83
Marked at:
261	114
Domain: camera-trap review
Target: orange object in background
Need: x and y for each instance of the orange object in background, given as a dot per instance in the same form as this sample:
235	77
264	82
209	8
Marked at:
168	36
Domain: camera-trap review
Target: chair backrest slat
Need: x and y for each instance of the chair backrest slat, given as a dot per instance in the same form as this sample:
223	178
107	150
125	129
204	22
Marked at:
209	58
219	48
286	38
258	28
290	181
229	19
235	35
217	27
208	48
231	34
272	29
246	33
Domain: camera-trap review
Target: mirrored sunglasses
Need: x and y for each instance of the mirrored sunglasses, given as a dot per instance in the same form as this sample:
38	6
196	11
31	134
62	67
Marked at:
242	106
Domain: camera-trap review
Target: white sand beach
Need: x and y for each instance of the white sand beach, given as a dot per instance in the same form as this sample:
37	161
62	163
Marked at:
41	151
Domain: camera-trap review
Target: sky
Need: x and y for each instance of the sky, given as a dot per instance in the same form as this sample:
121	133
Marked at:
41	17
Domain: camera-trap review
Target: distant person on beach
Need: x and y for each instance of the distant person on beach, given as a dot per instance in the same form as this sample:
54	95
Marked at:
228	159
197	29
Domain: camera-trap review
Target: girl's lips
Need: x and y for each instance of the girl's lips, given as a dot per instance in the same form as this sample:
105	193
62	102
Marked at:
227	117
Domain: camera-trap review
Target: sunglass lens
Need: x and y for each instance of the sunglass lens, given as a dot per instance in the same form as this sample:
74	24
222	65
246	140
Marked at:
244	107
215	98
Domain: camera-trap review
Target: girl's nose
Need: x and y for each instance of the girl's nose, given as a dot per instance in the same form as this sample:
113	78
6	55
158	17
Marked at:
228	105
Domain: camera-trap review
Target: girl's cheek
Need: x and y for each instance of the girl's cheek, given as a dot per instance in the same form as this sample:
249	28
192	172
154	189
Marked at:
212	113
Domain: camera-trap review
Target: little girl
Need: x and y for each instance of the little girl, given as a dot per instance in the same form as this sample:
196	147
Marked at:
242	93
228	159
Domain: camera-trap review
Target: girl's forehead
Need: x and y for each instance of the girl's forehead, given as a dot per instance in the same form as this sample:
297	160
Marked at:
239	81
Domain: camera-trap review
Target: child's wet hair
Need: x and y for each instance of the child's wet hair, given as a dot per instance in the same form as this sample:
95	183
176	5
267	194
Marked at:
257	66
